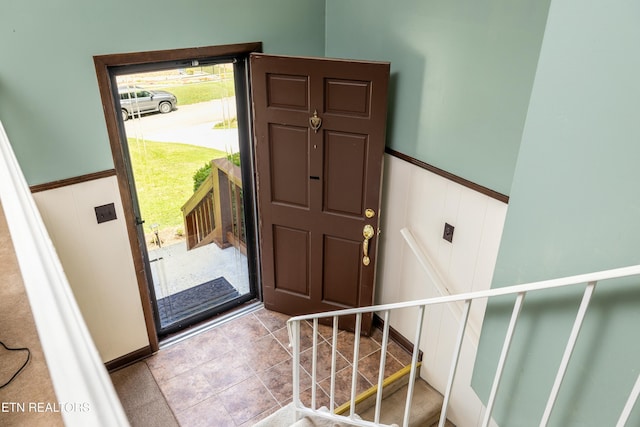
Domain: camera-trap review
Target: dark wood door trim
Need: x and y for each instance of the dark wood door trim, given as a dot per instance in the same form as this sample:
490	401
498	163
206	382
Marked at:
156	56
103	65
127	359
71	181
448	175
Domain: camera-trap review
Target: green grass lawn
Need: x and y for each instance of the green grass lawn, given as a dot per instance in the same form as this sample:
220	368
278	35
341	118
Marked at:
163	174
202	92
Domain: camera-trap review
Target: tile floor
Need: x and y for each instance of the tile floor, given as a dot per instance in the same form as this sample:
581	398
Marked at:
239	372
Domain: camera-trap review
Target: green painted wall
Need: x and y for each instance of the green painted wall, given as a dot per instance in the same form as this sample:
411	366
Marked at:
463	98
574	208
49	100
462	70
462	73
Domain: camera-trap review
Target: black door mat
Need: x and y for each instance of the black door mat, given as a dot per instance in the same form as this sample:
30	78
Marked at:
195	300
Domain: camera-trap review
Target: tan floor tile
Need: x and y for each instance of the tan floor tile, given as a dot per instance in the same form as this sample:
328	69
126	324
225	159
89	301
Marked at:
208	413
240	372
243	330
323	369
263	353
369	367
322	398
172	361
272	320
225	371
403	356
282	335
186	390
278	380
209	345
343	385
345	345
260	417
325	330
306	337
247	400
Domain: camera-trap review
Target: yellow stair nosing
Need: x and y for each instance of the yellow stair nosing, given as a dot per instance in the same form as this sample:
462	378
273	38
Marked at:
374	389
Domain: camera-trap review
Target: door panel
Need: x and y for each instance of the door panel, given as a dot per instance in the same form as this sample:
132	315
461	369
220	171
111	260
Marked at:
345	166
315	182
341	270
291	250
290	92
347	97
289	174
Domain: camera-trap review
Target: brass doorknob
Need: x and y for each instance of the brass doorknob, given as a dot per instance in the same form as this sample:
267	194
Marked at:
368	233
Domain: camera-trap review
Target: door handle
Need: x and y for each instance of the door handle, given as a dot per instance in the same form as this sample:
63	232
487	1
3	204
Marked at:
367	233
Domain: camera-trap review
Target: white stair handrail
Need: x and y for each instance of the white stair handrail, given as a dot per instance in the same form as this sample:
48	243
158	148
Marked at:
520	291
77	372
436	278
614	273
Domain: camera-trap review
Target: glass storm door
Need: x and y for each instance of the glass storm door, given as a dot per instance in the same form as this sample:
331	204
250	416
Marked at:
186	158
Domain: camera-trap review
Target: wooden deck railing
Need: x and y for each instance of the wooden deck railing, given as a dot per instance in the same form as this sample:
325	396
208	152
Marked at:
214	213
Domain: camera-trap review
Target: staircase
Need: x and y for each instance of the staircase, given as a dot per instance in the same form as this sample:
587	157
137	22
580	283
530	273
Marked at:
413	402
425	407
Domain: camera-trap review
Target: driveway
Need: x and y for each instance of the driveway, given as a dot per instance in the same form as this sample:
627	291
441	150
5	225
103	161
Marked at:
189	124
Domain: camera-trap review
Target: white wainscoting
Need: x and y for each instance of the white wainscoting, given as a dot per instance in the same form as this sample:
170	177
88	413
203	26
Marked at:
422	202
98	263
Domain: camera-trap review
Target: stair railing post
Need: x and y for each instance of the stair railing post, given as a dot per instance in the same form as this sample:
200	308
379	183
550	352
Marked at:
454	363
314	365
517	307
334	352
631	401
414	366
295	344
356	355
571	343
383	362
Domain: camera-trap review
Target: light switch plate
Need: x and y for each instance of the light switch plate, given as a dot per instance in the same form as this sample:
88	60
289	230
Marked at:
105	213
448	232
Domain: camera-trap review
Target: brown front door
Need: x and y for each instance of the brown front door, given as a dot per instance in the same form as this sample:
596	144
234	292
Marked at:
320	136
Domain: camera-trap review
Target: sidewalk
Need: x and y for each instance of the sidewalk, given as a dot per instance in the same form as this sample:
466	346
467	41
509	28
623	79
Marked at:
175	269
